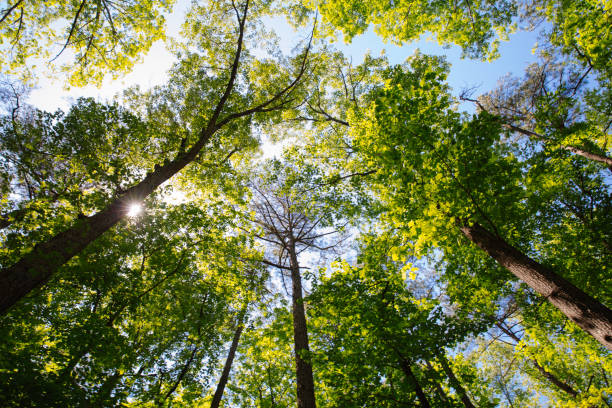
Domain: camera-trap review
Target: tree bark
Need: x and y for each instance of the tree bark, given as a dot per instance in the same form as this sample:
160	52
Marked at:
405	365
228	362
441	393
455	382
305	382
589	314
36	268
549	376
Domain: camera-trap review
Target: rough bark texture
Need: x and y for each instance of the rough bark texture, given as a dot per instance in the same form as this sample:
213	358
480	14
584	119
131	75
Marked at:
305	382
228	364
455	382
36	268
549	376
592	316
405	365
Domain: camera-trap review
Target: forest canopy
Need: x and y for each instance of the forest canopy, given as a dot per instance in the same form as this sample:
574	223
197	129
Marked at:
281	225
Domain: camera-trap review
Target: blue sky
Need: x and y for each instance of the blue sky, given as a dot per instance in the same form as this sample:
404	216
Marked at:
516	54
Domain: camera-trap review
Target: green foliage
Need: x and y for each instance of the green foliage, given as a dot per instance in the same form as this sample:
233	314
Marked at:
378	154
366	323
476	27
265	374
101	37
59	166
140	302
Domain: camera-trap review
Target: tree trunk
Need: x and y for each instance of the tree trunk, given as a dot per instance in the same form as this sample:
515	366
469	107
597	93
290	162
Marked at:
455	382
36	268
228	362
549	376
405	365
305	382
441	393
182	373
592	316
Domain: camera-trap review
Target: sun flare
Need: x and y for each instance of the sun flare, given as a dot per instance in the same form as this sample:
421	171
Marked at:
134	210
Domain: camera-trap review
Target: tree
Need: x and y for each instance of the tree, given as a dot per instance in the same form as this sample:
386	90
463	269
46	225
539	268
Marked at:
433	135
64	164
467	166
103	36
291	226
144	314
376	339
476	235
405	21
36	267
551	106
216	400
265	375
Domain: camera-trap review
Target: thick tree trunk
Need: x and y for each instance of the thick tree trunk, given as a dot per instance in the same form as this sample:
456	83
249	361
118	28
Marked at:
455	382
592	316
549	376
228	362
36	268
405	365
305	382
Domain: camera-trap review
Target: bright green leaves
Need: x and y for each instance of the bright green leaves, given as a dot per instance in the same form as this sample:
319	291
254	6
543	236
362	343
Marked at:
581	29
436	167
365	322
61	165
264	373
96	37
476	26
137	303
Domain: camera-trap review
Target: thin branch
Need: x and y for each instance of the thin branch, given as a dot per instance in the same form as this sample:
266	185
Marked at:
263	107
72	27
10	10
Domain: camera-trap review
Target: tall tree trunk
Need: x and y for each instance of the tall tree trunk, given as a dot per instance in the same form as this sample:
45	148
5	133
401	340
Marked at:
36	268
405	365
305	382
455	382
548	375
441	393
182	373
228	361
592	316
